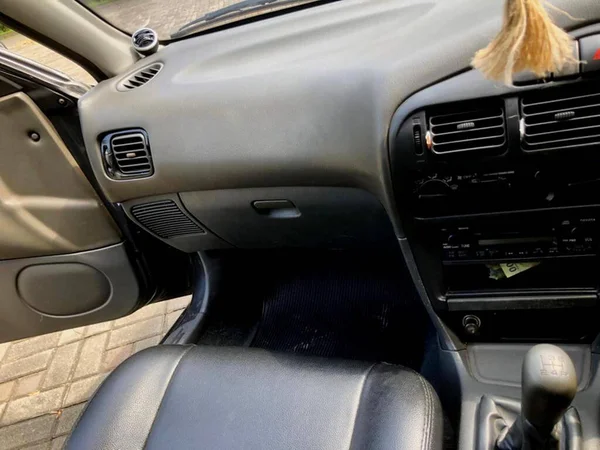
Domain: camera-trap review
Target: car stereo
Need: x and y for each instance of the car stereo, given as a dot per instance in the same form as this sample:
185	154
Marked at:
507	240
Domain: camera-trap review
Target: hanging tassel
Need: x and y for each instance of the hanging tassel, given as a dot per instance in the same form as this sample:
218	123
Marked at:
529	40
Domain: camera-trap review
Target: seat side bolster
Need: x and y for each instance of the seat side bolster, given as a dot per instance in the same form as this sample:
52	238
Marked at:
132	394
398	410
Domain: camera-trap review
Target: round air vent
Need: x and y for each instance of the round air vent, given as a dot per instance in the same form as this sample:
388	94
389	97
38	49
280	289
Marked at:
145	41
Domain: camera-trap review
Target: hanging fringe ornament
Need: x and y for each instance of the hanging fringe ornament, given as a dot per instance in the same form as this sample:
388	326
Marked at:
529	40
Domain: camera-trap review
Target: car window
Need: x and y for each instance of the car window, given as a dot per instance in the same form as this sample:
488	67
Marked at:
17	43
166	17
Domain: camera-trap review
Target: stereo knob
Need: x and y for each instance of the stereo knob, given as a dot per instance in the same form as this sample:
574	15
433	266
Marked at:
453	239
434	188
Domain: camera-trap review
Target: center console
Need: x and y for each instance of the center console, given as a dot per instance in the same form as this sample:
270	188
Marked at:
499	192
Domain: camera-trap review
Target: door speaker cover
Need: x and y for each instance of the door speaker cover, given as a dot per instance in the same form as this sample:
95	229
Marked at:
63	289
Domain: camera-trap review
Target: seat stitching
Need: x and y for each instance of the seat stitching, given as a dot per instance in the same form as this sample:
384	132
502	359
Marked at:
362	390
177	365
426	423
430	415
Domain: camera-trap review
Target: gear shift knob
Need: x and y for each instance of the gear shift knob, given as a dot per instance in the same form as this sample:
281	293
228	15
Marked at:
549	384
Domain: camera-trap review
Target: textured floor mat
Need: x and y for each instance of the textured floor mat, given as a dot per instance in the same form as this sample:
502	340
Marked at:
340	304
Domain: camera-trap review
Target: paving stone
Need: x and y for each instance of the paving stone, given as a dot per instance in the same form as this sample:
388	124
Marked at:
33	405
2	408
170	319
30	347
58	443
62	363
41	446
90	358
178	303
6	390
97	328
135	332
141	314
26	432
144	344
27	385
68	418
25	366
3	349
81	390
72	335
114	357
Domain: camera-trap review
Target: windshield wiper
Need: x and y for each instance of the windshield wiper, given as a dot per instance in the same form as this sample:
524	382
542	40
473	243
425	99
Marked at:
237	9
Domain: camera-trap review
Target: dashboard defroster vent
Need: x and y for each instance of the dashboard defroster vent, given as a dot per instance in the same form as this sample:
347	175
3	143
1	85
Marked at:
139	78
127	154
560	119
467	130
165	219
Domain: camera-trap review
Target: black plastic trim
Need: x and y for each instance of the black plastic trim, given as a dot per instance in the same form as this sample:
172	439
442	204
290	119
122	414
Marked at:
190	324
487	301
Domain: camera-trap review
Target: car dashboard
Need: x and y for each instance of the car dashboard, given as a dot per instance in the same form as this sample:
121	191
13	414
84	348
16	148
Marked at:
360	124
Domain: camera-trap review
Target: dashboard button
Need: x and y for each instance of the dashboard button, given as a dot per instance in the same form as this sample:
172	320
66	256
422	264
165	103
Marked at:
590	53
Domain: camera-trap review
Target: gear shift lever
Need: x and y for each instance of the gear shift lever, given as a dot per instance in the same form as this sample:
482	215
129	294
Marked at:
549	384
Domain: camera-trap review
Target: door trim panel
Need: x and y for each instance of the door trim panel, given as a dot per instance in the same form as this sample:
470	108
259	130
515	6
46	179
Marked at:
19	320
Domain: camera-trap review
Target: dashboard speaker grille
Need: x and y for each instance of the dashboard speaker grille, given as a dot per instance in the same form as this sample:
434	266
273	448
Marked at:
165	219
560	119
467	130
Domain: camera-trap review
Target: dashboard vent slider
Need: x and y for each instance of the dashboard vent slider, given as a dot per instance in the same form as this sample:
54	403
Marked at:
455	131
561	119
127	154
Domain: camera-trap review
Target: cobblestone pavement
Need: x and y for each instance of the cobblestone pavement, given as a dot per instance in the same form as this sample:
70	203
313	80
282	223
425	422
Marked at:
131	15
46	380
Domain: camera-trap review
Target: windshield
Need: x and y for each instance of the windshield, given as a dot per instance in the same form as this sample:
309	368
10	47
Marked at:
166	17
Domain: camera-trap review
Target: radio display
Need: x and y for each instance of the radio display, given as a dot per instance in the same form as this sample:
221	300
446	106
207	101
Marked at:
518	240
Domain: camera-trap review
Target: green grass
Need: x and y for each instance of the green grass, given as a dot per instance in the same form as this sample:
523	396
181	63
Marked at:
4	30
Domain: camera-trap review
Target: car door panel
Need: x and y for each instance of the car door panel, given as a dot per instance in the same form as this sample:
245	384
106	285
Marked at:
36	304
62	260
46	204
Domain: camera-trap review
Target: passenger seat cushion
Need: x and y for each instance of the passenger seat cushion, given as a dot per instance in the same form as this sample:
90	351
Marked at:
188	397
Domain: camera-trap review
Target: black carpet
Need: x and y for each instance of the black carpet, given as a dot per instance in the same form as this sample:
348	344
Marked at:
357	305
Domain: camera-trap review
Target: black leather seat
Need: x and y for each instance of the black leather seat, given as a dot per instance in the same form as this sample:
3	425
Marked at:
176	397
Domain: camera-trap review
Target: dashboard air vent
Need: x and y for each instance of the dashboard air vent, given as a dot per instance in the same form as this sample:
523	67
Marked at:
145	41
560	119
140	78
467	130
127	154
165	219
